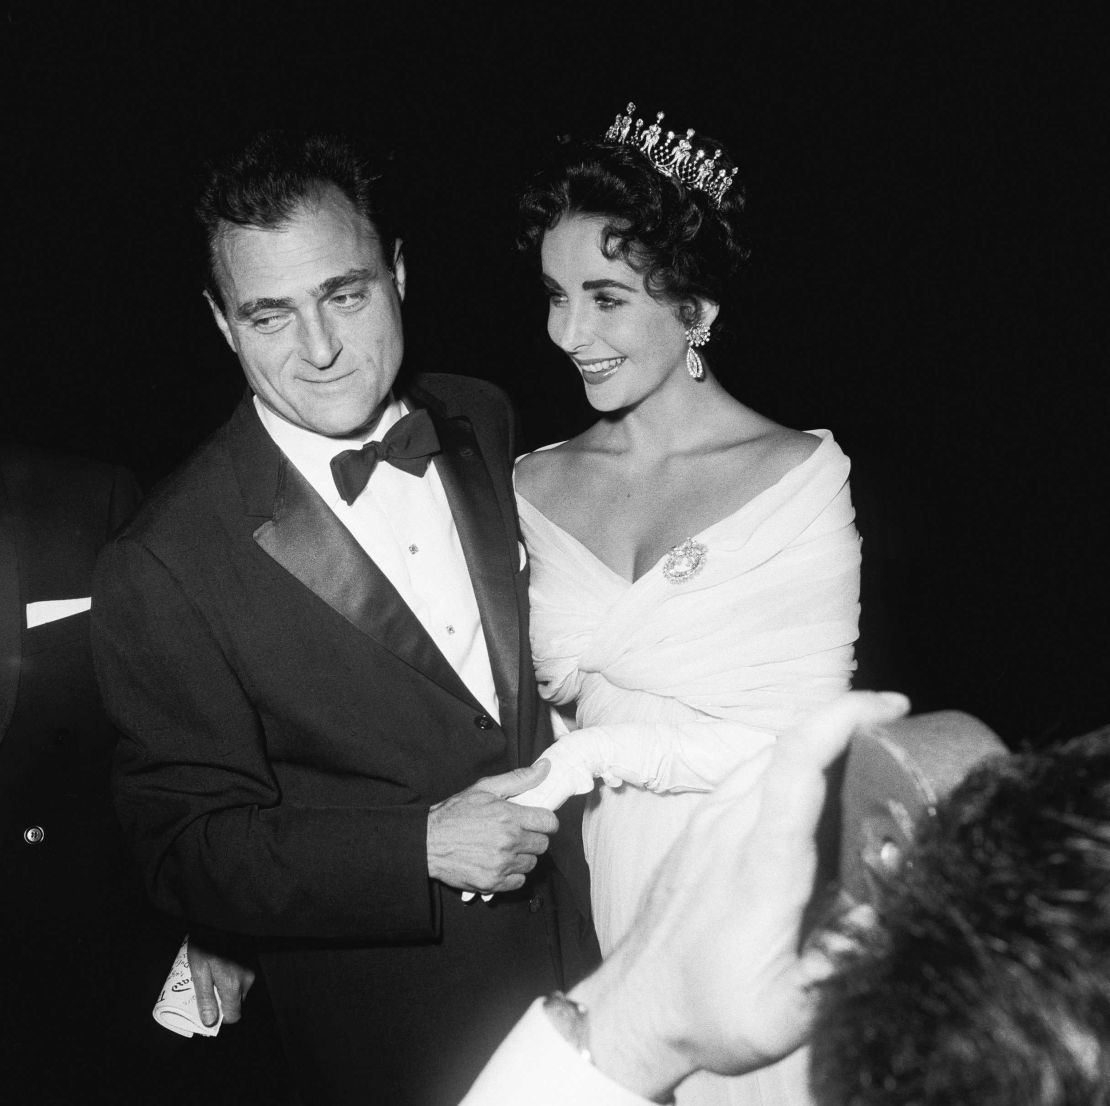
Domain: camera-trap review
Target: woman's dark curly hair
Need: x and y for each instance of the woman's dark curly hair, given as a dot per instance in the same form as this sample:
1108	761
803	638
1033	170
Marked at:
676	237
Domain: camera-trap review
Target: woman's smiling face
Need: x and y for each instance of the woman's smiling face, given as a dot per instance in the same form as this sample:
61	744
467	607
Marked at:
625	343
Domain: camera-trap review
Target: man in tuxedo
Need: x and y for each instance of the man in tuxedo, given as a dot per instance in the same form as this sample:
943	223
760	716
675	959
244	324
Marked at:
74	1003
314	640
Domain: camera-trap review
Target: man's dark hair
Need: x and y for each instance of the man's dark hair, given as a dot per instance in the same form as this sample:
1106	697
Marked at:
987	977
276	173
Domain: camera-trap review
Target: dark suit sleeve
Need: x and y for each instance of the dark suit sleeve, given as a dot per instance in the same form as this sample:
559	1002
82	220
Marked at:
216	838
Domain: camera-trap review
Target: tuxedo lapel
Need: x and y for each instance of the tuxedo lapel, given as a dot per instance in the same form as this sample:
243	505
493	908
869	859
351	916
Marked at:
490	557
11	610
302	534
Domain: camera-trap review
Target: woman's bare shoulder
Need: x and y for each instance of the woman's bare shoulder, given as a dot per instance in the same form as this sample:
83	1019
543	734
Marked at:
532	473
789	447
778	449
552	476
539	475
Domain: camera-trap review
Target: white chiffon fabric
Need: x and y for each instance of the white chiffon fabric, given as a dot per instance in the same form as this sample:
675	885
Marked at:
673	686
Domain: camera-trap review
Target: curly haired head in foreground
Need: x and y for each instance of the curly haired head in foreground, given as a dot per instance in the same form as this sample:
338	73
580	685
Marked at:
987	978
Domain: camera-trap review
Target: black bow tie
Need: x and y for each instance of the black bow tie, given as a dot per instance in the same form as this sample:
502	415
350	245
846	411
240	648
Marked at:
409	445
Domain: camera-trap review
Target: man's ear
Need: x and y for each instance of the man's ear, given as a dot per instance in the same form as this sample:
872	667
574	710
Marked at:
399	268
221	321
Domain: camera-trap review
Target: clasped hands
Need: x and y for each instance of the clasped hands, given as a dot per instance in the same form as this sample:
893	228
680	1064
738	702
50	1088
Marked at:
478	842
711	976
481	842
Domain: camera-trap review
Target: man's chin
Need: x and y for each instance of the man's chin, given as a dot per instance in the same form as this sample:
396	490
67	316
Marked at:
355	428
342	422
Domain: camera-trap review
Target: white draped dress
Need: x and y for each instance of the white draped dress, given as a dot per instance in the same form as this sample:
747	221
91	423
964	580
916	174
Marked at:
674	685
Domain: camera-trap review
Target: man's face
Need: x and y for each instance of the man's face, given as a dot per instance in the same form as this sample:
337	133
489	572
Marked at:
313	312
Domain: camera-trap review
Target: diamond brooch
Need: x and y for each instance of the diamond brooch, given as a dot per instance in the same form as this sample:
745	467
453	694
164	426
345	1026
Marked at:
685	561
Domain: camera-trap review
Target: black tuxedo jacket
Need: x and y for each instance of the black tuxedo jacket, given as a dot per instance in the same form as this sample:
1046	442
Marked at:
286	724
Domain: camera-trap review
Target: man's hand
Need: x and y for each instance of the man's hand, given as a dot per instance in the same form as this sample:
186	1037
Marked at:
477	841
212	973
710	976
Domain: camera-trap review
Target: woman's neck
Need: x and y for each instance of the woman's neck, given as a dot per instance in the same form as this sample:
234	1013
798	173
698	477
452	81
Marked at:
676	419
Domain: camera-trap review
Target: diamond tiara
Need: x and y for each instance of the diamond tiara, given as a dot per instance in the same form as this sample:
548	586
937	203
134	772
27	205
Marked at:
673	155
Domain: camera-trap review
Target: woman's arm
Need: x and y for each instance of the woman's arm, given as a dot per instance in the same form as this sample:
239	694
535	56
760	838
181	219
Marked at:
690	756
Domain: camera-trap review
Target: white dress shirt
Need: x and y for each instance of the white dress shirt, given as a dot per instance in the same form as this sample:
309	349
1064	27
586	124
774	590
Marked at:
404	524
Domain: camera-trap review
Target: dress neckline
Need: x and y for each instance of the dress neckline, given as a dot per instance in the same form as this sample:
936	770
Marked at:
825	436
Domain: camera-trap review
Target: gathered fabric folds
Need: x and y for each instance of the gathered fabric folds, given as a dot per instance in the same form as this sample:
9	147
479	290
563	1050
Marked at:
673	686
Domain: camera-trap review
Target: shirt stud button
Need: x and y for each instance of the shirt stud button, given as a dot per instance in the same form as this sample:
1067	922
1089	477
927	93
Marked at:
890	856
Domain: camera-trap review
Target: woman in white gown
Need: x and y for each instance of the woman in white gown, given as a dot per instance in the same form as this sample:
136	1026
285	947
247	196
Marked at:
694	565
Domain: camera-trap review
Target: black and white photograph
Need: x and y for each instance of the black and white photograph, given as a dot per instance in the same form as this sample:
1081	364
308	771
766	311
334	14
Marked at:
555	553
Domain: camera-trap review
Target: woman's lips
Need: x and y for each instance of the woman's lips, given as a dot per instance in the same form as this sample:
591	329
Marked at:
594	372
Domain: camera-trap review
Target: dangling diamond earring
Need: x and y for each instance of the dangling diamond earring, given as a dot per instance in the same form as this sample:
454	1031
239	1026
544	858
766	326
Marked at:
696	335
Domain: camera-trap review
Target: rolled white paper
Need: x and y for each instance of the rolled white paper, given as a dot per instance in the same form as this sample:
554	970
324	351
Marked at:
176	1008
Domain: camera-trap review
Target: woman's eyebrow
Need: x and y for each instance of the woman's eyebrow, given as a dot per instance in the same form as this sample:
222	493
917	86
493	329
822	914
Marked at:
591	285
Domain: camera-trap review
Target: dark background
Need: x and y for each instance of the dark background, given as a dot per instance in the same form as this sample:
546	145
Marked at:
926	226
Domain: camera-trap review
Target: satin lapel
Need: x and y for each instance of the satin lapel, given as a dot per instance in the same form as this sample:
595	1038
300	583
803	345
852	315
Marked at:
490	557
11	611
310	543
